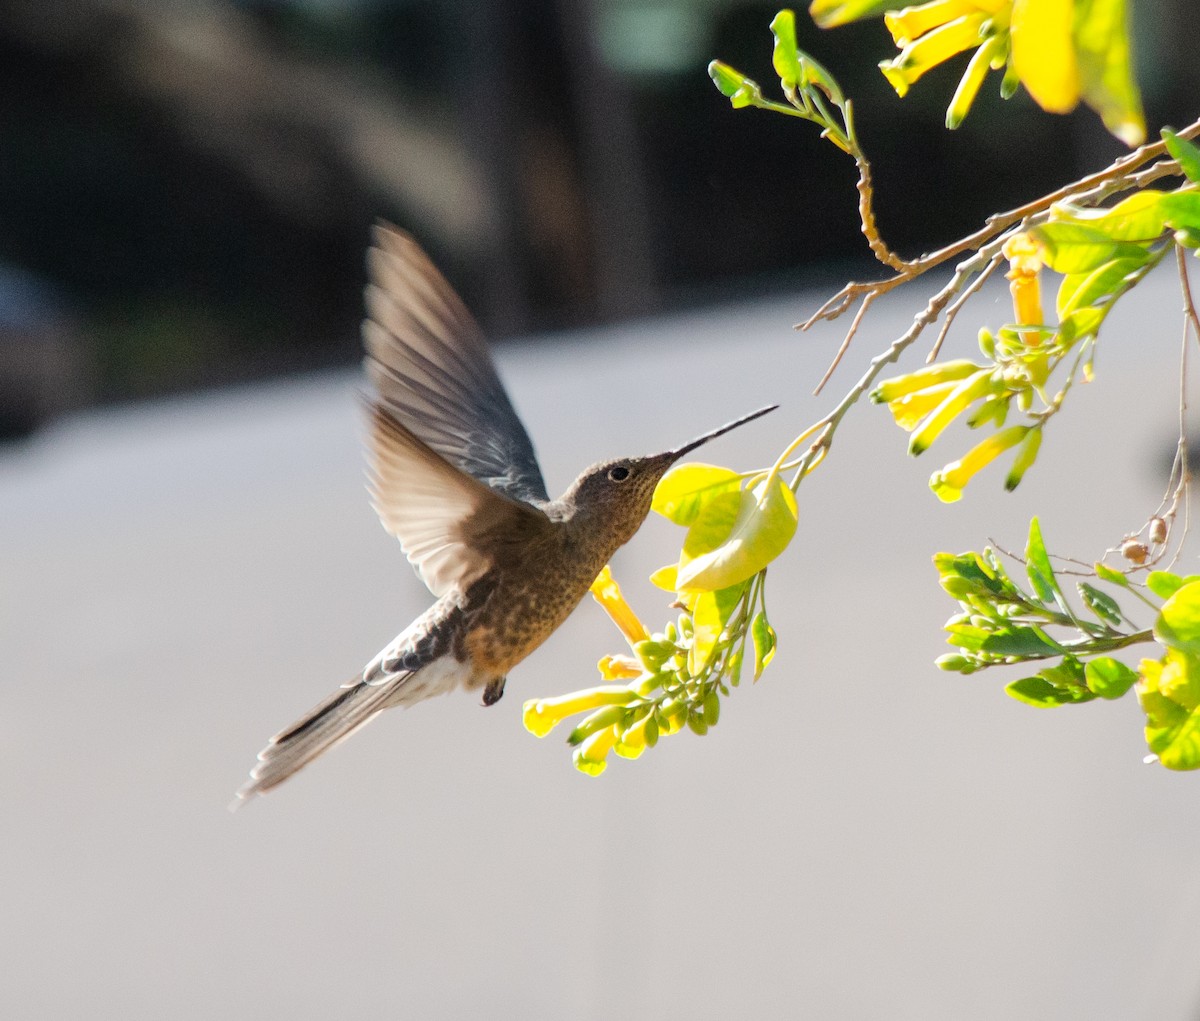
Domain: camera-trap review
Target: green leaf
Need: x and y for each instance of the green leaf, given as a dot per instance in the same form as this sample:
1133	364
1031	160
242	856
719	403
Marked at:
1163	584
1083	322
1109	678
1178	623
1100	603
764	524
785	58
1182	209
1184	153
1021	642
1082	290
710	613
1040	693
764	643
1106	573
1038	567
1071	247
1105	63
682	493
1137	218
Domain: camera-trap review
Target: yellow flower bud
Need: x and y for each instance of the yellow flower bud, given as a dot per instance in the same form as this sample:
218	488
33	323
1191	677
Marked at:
619	668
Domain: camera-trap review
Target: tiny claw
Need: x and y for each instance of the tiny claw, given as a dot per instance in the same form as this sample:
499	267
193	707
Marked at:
494	691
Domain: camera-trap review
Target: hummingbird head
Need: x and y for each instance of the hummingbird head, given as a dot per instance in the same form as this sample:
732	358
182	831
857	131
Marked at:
614	497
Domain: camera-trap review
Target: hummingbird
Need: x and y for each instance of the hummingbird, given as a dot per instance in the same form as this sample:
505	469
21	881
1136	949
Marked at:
453	476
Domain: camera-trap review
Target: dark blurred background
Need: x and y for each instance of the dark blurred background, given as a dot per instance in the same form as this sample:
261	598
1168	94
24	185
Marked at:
186	189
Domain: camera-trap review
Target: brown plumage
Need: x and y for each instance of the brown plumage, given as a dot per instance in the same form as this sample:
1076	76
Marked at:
454	478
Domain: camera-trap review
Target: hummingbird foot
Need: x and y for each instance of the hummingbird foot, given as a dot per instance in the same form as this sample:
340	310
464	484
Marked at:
493	691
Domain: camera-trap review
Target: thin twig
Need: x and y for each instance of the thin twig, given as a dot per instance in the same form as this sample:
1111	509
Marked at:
1117	176
952	310
837	358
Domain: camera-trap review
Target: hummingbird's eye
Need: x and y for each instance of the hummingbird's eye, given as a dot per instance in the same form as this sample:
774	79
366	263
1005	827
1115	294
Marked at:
618	474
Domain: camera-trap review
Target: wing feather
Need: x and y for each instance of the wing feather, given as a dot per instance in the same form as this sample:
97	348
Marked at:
434	375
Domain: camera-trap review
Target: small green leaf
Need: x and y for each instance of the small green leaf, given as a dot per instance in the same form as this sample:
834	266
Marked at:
785	58
1021	642
1071	247
1184	153
1109	678
1106	573
1163	584
682	493
1040	693
1083	322
1138	218
1183	209
1100	603
1082	290
1178	623
764	643
1038	567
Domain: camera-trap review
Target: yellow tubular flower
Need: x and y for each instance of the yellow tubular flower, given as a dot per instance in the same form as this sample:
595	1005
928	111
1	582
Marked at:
607	593
542	715
909	410
966	393
911	23
591	756
931	49
1025	264
949	483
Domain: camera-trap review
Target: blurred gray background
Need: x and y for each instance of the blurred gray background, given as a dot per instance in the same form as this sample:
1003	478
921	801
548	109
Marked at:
188	560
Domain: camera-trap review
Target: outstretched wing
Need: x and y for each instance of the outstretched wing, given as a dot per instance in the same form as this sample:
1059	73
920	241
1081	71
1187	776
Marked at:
435	510
433	373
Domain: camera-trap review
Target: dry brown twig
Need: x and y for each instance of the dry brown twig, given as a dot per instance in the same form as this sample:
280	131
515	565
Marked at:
1119	176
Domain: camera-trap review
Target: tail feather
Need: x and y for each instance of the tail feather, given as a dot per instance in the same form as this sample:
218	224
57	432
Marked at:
350	707
345	711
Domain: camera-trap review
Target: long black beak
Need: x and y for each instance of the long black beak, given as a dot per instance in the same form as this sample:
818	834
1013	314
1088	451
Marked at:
691	445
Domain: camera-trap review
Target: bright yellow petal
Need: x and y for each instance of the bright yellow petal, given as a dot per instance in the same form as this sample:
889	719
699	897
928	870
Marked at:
931	49
607	593
1043	51
1024	257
